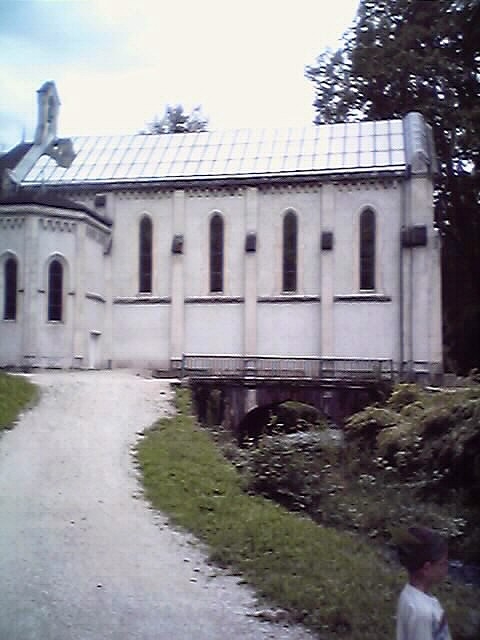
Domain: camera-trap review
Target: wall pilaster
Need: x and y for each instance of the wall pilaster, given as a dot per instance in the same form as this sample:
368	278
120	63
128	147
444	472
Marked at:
250	317
327	338
177	315
77	285
33	284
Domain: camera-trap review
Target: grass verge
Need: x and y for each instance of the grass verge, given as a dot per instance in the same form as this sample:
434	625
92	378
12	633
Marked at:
332	581
16	393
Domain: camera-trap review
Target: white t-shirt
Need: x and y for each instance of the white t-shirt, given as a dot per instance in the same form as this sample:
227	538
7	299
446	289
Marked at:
420	616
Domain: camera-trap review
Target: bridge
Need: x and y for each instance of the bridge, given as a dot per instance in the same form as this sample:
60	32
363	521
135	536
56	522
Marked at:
239	391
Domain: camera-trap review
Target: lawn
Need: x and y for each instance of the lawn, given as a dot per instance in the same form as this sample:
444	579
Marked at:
16	393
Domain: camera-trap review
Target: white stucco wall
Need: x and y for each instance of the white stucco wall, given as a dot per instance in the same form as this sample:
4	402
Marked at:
140	335
11	343
94	315
422	268
50	343
289	329
93	270
12	238
46	234
108	321
366	328
214	328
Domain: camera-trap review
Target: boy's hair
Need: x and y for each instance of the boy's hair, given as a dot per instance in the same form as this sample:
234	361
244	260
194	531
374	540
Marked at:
418	545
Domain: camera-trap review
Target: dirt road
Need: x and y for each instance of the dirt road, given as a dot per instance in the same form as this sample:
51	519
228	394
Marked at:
82	557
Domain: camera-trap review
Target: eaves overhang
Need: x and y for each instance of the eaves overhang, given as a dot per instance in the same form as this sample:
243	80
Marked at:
54	211
298	178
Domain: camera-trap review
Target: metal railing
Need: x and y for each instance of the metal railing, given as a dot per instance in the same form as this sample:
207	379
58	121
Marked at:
285	367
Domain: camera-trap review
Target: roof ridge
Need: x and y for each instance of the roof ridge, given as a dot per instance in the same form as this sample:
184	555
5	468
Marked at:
231	130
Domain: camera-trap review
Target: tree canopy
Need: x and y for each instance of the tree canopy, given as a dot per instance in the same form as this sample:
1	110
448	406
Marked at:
175	120
423	55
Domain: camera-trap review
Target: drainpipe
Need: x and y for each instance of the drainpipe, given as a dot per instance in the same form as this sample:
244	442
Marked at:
409	293
401	279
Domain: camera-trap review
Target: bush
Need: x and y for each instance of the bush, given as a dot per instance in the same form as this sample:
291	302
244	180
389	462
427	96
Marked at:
290	417
291	469
417	433
419	463
402	396
365	426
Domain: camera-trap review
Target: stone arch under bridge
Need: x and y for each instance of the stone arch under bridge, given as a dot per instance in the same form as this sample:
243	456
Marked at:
241	407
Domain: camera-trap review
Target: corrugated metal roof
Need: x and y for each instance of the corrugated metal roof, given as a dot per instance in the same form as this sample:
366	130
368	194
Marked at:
346	147
11	158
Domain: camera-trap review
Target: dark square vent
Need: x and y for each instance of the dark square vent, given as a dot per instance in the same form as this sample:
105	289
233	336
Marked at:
177	244
414	236
251	242
100	200
327	240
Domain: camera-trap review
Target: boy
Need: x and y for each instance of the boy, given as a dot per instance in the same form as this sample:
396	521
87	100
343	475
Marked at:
424	553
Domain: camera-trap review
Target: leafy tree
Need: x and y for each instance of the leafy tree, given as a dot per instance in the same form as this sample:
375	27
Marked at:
175	120
423	55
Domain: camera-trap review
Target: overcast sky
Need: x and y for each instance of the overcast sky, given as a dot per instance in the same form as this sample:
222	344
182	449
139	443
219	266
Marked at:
117	63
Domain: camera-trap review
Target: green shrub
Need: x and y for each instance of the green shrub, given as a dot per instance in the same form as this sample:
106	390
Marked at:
365	426
437	422
402	396
290	417
418	464
392	441
291	469
434	436
413	411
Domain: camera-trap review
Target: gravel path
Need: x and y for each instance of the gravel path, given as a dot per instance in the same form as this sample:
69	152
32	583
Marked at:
82	557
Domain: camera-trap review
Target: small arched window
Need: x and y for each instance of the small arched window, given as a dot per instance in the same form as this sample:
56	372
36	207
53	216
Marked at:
55	291
290	251
145	256
10	290
216	254
367	250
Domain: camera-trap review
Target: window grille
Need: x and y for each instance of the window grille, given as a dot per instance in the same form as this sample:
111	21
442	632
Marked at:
55	291
145	259
216	254
367	250
290	252
10	289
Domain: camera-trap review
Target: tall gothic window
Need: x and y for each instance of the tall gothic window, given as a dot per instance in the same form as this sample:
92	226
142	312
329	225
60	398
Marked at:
145	256
55	291
10	290
216	254
367	250
290	252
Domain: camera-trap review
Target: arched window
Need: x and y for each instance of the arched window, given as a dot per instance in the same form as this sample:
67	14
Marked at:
367	250
290	252
55	291
145	256
216	254
10	290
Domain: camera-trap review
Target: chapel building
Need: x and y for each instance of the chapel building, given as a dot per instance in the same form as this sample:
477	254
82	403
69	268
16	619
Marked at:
130	251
